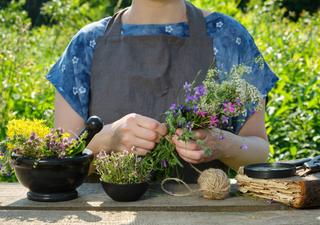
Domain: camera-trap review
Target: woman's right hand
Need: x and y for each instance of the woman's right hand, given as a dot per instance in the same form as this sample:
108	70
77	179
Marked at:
132	130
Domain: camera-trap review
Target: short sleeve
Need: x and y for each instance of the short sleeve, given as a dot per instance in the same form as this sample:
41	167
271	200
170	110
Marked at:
71	74
261	76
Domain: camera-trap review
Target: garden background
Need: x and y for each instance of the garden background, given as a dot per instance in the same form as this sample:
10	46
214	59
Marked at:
34	34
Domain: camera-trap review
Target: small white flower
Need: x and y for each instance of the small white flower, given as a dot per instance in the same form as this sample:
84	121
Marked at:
63	68
238	41
92	43
75	90
215	50
75	60
249	69
82	90
219	24
168	29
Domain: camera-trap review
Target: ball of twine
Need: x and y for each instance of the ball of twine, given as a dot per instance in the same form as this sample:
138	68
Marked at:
214	183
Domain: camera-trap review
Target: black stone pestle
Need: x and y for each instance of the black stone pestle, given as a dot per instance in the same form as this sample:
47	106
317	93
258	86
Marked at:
93	126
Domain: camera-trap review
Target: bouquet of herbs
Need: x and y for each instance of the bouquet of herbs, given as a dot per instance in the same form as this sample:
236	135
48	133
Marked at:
33	139
208	106
123	168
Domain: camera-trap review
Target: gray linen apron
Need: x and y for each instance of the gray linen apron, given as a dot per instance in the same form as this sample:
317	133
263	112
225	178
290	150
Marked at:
144	74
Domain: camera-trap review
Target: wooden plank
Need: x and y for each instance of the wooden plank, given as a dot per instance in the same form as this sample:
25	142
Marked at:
33	217
93	198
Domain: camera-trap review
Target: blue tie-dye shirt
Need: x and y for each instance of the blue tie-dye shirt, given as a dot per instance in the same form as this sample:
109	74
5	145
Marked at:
232	45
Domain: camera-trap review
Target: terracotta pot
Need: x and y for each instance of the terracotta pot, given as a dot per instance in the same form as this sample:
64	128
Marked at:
53	180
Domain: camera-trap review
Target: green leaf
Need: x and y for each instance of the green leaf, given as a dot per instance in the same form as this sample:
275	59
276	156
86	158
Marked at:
79	148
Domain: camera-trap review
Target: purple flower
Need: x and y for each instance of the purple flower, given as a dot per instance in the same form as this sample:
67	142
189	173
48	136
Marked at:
170	192
180	125
181	107
214	121
195	108
244	146
252	111
229	106
174	114
222	137
200	90
3	151
173	107
164	163
202	113
196	98
225	119
189	125
238	101
188	109
189	97
187	86
271	201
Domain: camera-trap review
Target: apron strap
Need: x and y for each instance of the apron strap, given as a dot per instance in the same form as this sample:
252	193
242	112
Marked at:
196	21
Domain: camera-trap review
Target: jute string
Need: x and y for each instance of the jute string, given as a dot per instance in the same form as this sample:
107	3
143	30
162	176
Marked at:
214	183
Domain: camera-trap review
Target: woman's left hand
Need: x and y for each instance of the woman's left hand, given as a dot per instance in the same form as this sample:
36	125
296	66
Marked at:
192	152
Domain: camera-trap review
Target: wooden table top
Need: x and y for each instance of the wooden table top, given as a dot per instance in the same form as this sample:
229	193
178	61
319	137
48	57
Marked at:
155	207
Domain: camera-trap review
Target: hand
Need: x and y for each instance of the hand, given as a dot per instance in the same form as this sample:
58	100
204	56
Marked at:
192	152
136	130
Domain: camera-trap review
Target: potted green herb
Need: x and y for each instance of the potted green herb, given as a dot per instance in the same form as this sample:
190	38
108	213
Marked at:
124	176
45	161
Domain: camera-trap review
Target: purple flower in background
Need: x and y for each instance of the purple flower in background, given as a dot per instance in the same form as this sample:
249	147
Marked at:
174	114
181	107
164	163
244	146
252	111
189	97
222	137
238	101
173	107
187	86
180	125
271	201
188	109
225	119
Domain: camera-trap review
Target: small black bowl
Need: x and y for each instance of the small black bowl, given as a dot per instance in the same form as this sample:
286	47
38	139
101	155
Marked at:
53	180
125	192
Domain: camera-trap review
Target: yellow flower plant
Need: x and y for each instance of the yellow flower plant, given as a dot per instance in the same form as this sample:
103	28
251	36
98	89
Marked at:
33	139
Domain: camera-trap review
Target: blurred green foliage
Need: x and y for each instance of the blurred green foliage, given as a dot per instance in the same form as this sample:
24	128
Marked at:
292	50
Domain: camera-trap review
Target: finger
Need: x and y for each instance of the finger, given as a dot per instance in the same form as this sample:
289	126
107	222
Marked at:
200	133
190	156
148	135
151	124
140	151
190	145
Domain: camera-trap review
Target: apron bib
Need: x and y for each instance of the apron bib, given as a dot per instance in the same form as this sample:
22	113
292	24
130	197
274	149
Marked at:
144	74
